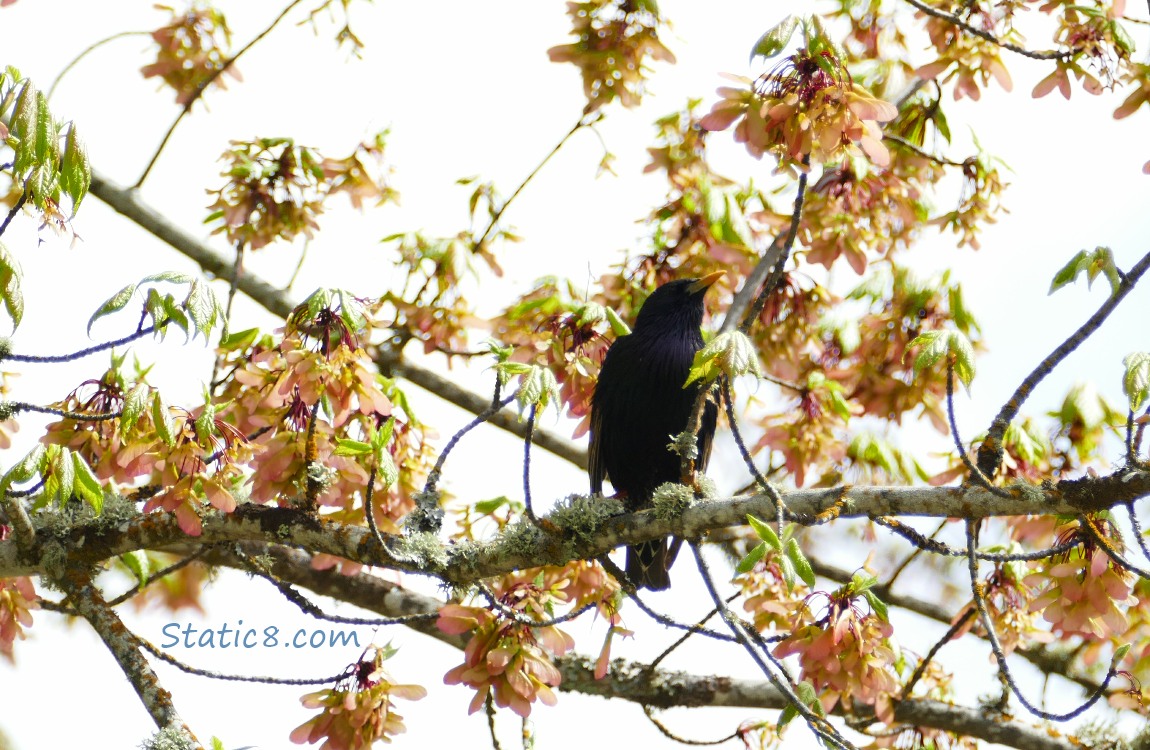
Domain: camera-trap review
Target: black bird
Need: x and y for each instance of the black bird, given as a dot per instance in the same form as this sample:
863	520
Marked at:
640	404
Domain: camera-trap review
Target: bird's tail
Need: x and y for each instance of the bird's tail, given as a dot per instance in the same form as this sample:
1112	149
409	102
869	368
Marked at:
648	563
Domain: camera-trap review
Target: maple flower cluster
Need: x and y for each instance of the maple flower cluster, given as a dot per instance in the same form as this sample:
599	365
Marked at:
507	658
192	50
614	40
847	655
17	600
1083	591
359	711
807	107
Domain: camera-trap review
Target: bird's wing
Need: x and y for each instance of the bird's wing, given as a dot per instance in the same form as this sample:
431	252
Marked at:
706	432
596	470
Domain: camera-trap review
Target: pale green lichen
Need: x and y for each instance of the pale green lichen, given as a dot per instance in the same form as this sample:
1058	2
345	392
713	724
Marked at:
518	539
708	490
322	476
421	548
582	515
671	499
59	521
685	444
1098	734
427	515
169	738
1028	491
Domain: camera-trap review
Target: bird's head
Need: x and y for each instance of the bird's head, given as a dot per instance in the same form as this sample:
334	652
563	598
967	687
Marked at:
676	306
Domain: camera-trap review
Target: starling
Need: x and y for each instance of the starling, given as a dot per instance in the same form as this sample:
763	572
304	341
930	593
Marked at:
640	404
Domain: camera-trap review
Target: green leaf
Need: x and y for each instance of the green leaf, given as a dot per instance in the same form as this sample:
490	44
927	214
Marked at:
775	39
876	604
47	137
10	292
64	472
162	417
25	115
202	307
803	567
1098	262
115	303
487	507
1120	653
618	327
806	693
789	572
765	532
137	561
348	447
1136	379
86	484
935	344
28	467
752	558
382	437
537	386
731	354
387	470
135	402
239	339
75	170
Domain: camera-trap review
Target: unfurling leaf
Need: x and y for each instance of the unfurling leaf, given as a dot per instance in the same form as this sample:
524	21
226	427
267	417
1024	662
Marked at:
775	39
752	558
935	344
1136	380
10	292
765	532
1100	261
731	354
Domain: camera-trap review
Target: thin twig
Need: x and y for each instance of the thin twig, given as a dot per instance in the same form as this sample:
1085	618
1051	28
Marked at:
975	474
124	645
819	725
19	406
990	452
922	152
981	34
650	714
15	209
58	358
1000	654
920	670
497	404
168	659
204	87
90	48
583	122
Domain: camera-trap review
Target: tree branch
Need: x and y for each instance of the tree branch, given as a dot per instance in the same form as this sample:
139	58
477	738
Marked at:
626	680
525	546
990	452
90	604
277	302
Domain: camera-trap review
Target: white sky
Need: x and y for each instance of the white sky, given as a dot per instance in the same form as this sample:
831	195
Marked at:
467	90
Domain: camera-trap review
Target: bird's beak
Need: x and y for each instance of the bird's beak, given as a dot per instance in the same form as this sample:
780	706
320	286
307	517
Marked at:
706	281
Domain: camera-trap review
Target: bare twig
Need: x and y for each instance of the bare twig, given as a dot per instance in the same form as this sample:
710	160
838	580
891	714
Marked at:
990	452
195	97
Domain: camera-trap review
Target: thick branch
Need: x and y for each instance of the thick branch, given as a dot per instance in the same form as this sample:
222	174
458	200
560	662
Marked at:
278	302
632	681
525	546
90	604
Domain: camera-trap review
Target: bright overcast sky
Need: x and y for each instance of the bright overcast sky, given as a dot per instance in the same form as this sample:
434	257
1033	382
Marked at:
467	90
